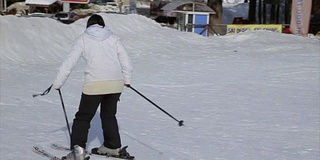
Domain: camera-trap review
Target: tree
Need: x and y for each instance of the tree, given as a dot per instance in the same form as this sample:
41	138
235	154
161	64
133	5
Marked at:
252	11
288	4
217	18
1	5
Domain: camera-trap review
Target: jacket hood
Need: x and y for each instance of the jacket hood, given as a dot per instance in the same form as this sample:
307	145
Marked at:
98	33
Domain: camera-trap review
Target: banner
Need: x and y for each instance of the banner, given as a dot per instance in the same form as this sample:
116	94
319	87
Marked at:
75	1
237	28
300	17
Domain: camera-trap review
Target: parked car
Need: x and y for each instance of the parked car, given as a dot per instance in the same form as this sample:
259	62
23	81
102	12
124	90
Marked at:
64	17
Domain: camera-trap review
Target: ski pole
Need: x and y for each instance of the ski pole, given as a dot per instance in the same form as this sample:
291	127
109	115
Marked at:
180	122
68	126
65	113
64	109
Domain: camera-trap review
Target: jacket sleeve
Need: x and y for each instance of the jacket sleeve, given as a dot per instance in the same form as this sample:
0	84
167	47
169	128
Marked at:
125	62
69	63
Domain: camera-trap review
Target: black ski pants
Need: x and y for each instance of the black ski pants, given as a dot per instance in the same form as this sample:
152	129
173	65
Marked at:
87	109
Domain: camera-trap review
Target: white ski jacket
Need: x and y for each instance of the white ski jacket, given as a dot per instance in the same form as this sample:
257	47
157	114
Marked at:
105	56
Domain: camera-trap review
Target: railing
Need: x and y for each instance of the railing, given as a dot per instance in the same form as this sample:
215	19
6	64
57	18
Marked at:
205	27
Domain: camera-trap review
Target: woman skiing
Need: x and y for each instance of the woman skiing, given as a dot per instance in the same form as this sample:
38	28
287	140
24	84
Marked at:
108	70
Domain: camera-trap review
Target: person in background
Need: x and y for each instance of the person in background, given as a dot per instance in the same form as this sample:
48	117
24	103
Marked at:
108	70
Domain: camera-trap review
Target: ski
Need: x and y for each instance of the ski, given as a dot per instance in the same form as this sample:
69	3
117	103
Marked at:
63	148
44	153
123	154
59	147
92	153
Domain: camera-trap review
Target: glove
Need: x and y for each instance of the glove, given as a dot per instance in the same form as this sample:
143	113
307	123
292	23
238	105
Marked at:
127	85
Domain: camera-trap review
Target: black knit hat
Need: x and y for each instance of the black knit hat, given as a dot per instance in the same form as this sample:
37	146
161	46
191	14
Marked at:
95	19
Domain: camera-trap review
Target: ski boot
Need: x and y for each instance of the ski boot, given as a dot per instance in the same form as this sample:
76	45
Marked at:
78	153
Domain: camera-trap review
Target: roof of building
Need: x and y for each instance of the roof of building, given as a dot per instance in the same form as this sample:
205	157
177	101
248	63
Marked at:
41	2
